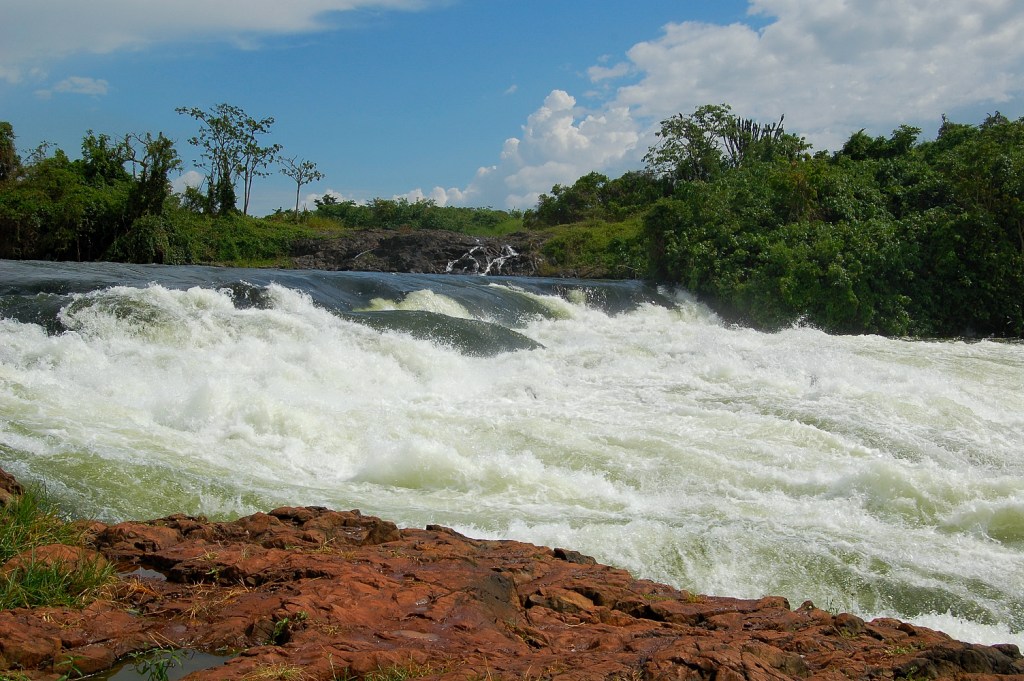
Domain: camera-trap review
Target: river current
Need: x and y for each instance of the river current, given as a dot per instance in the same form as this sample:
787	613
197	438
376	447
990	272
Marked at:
876	476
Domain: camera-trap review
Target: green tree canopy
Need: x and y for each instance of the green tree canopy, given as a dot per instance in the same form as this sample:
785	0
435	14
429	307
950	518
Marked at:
230	150
700	146
10	162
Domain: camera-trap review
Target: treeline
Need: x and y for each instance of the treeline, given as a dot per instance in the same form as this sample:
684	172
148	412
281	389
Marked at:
115	202
380	213
888	235
54	208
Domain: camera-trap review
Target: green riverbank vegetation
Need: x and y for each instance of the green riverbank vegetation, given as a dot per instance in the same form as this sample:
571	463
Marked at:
892	234
888	235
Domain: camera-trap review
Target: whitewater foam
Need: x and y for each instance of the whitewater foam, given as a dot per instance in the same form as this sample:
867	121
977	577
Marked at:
878	476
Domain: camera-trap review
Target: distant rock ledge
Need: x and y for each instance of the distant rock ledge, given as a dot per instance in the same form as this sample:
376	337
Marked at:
423	252
315	594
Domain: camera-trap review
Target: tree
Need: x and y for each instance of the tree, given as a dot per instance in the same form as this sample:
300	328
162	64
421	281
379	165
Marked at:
228	140
862	146
303	172
103	159
9	160
689	148
701	146
152	186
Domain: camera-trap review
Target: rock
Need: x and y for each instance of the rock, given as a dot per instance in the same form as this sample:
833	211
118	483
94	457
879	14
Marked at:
9	488
72	558
335	593
423	251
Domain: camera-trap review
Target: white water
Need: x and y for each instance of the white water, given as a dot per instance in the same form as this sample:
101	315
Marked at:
875	476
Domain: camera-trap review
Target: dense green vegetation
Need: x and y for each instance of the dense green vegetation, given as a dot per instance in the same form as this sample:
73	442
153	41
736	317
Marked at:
403	214
889	234
116	203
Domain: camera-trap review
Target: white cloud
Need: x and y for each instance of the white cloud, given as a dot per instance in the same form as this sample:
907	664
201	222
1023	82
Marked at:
29	34
835	67
439	195
599	73
309	202
192	178
80	85
511	89
831	66
560	142
10	74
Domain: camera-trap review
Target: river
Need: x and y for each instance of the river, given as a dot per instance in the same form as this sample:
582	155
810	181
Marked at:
877	476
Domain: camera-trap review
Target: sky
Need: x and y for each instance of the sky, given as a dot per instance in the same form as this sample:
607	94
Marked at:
492	102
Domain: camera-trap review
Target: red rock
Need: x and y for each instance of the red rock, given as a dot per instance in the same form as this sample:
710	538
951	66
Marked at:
9	488
72	557
338	592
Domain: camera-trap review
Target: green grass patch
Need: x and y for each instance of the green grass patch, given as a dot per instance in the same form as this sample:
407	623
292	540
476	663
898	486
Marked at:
596	249
40	584
27	523
30	521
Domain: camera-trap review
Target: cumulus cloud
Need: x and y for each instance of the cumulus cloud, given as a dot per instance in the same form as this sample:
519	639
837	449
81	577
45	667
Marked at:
831	67
309	202
560	142
29	35
835	67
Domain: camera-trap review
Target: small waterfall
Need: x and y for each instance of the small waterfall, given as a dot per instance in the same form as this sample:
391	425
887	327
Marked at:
483	260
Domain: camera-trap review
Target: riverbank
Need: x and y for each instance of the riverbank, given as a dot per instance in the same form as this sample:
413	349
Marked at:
311	593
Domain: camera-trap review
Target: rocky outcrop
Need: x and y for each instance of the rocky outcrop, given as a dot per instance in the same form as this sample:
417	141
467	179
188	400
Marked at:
316	594
422	252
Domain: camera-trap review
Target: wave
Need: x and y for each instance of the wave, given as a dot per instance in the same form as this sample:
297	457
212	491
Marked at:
867	474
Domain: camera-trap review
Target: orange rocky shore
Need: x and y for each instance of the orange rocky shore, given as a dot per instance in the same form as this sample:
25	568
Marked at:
316	594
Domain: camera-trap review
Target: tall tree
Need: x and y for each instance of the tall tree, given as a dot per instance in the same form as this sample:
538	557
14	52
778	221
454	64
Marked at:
230	150
9	160
302	172
155	157
689	147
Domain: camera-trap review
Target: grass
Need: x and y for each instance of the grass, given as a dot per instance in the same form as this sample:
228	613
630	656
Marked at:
27	523
276	672
155	664
411	670
607	249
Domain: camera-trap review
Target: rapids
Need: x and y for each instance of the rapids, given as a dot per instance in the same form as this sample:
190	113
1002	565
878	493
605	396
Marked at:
870	475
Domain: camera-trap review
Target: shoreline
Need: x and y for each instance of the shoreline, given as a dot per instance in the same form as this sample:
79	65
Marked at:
318	594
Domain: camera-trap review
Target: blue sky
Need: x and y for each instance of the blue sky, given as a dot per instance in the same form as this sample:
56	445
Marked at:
491	102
